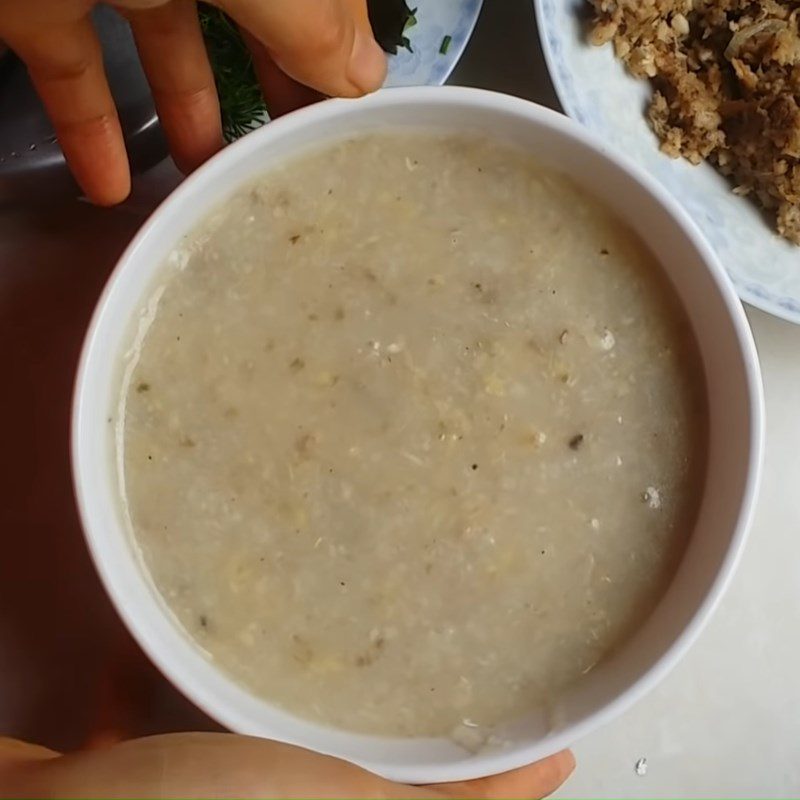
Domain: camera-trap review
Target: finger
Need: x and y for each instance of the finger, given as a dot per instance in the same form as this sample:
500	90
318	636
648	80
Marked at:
13	750
534	781
224	765
16	757
282	94
325	44
66	67
174	59
201	765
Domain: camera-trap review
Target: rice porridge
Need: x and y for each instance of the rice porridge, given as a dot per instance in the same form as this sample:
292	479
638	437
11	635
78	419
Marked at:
412	434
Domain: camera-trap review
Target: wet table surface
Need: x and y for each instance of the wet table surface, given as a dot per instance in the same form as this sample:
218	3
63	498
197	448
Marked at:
726	722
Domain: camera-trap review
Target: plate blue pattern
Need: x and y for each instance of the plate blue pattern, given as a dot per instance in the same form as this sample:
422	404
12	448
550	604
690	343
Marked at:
425	65
594	89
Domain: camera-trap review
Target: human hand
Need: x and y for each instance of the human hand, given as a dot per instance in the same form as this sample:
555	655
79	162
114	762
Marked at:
327	46
222	765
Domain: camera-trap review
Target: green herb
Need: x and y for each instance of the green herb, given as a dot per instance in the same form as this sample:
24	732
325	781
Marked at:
390	19
445	45
240	100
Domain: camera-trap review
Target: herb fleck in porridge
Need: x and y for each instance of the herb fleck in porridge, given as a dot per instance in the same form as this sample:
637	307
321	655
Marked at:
414	436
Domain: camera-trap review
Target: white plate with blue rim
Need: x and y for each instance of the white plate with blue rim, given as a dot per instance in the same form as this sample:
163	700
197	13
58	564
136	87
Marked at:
436	42
594	89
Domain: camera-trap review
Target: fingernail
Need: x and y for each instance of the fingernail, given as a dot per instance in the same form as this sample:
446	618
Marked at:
367	66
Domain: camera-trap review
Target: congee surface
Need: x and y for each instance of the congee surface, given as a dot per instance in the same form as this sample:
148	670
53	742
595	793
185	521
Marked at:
413	434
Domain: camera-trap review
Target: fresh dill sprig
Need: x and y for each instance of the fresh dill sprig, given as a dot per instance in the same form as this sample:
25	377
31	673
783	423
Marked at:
240	100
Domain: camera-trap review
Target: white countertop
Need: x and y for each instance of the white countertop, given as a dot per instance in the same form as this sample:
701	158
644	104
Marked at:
726	722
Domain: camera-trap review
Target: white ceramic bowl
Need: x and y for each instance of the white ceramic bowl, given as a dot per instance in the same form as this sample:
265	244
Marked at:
736	427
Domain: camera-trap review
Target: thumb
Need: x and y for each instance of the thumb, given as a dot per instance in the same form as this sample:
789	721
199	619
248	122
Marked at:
14	751
534	780
325	44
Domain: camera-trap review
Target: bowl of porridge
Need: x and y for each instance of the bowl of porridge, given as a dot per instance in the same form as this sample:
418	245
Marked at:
419	430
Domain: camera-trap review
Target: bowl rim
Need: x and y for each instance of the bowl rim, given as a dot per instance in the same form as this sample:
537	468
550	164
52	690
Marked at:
499	760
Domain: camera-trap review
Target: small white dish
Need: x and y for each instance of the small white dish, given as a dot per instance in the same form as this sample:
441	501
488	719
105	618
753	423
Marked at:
735	437
594	89
437	20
